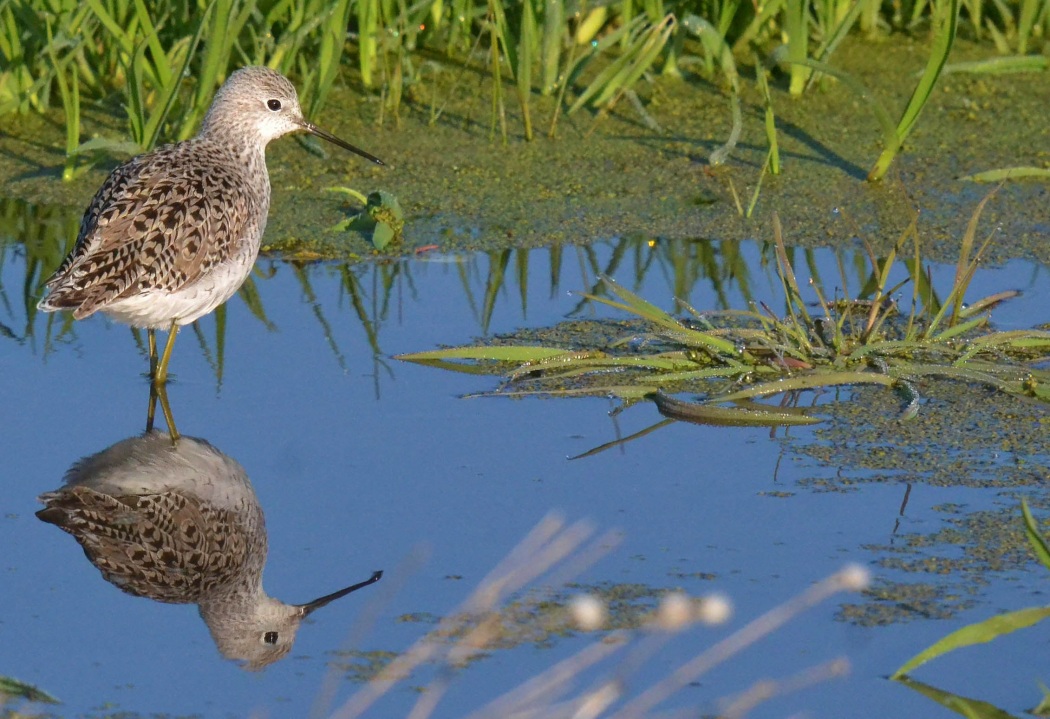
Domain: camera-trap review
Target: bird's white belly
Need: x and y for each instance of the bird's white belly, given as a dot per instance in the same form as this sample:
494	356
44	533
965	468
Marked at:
155	309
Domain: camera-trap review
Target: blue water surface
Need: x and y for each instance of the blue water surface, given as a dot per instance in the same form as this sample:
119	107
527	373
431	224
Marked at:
363	462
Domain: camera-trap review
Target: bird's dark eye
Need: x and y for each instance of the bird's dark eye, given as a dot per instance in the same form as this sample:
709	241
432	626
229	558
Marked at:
271	637
274	105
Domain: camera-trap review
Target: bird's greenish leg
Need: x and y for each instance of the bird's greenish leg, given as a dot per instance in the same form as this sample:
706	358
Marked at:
161	392
160	376
152	408
151	338
169	417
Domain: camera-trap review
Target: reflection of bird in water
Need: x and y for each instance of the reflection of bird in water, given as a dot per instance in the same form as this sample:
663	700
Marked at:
182	524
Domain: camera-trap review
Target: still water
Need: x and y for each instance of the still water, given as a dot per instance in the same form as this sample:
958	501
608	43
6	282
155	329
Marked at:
361	463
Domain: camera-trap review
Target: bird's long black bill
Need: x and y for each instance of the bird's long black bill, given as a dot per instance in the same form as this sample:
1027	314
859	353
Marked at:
328	598
315	130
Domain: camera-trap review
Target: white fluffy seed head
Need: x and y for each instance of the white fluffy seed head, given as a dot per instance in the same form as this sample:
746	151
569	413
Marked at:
589	612
715	609
854	577
676	610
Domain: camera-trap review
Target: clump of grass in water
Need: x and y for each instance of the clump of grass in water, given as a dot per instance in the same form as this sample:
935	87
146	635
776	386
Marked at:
852	341
556	553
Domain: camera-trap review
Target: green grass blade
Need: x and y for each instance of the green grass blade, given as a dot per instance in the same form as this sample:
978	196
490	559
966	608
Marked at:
367	39
978	633
10	687
773	158
964	706
960	329
1008	173
220	35
812	380
527	42
580	363
333	40
635	305
1025	24
947	21
1031	530
749	415
715	45
796	27
1011	338
502	353
1001	65
119	34
841	30
160	59
551	47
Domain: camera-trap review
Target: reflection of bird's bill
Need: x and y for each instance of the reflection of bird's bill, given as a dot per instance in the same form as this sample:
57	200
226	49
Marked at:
315	130
316	604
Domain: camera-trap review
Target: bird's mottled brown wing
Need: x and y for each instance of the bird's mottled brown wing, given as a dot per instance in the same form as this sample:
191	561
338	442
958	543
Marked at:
160	221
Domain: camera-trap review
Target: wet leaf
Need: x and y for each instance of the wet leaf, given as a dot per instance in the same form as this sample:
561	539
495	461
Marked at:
1042	709
744	415
382	221
1031	530
807	381
1000	66
1008	173
383	209
970	708
382	235
978	633
502	353
10	687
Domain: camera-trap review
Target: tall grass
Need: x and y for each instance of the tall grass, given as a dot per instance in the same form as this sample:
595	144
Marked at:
164	60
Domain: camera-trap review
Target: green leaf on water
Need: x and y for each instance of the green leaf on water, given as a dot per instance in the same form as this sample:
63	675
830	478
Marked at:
502	353
384	210
382	221
970	708
748	414
978	633
1001	65
807	381
382	235
1042	709
1031	530
14	689
383	207
1008	173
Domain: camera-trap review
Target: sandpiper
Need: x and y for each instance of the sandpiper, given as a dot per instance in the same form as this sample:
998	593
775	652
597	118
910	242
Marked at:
173	233
181	524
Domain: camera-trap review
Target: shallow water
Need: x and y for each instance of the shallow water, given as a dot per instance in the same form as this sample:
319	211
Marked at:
362	462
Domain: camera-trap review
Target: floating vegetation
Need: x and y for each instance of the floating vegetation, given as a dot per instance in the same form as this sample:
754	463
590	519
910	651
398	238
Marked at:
12	689
731	357
381	222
